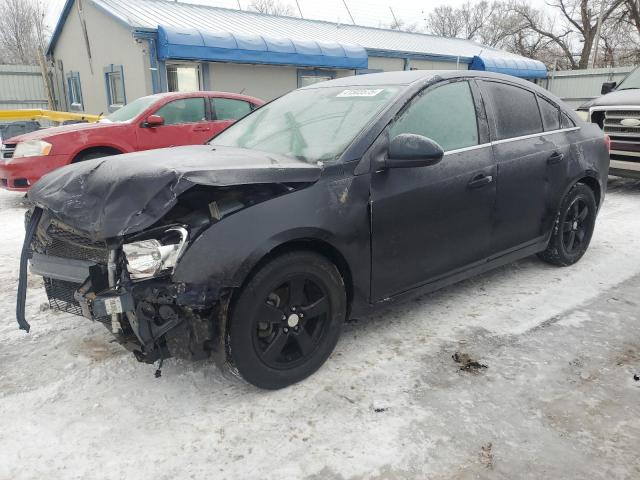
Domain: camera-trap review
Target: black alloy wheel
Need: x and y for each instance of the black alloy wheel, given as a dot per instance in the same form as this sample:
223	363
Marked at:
291	323
575	225
573	228
286	320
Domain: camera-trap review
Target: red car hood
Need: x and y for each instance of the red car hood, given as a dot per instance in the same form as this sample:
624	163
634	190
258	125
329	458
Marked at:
55	131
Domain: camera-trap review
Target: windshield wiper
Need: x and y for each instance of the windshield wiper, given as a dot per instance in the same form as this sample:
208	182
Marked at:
296	136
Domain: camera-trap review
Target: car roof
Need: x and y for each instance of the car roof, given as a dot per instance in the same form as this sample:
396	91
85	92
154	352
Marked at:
408	77
206	93
405	78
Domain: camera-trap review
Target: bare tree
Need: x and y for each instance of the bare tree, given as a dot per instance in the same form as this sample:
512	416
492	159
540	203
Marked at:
476	16
487	23
620	38
402	25
579	18
272	7
631	13
445	22
21	31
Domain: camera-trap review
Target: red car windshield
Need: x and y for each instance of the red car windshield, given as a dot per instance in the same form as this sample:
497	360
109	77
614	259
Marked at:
131	110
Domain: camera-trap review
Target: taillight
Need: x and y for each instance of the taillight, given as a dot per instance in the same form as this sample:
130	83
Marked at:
607	142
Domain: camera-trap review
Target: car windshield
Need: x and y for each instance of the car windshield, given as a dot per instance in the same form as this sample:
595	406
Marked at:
631	81
131	110
312	124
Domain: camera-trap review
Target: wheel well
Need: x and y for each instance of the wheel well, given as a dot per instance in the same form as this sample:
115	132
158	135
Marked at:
593	184
312	245
88	151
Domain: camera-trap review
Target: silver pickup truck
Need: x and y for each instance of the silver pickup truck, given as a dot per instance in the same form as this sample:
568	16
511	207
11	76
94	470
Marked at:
617	112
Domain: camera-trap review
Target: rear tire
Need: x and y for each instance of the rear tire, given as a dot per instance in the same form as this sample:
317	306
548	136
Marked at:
573	227
287	320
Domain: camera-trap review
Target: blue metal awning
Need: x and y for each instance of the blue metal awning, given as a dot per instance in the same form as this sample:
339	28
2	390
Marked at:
194	44
509	65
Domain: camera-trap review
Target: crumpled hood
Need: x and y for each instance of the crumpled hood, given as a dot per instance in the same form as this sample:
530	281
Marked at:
616	98
114	196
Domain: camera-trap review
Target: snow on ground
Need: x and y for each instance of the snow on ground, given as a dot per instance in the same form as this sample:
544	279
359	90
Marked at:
557	400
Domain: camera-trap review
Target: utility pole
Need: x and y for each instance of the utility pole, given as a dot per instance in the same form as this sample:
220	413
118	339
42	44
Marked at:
349	12
597	39
299	9
394	17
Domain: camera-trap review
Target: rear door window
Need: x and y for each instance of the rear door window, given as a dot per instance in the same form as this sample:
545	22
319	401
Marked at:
550	114
446	115
230	109
515	110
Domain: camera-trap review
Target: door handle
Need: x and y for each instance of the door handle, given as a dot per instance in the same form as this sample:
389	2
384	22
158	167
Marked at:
201	129
556	157
480	181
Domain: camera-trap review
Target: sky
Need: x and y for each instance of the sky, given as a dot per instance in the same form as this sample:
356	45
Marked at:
365	12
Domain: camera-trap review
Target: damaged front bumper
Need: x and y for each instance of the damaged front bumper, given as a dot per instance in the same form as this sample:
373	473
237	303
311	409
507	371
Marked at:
153	317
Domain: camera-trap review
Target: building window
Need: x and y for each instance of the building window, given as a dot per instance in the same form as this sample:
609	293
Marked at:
74	91
183	78
309	77
114	79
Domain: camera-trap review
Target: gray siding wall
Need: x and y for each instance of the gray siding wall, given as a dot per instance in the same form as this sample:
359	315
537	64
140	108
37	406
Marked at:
110	43
263	81
394	64
578	86
21	86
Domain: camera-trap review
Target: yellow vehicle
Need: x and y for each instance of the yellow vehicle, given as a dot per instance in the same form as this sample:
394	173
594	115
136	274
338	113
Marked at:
39	114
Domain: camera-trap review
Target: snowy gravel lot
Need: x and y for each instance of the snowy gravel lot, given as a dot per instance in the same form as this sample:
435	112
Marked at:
557	400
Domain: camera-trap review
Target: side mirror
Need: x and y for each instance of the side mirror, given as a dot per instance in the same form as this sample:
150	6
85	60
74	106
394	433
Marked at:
154	121
608	87
408	150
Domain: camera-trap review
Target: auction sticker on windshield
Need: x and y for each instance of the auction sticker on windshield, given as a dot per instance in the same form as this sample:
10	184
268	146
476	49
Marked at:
361	92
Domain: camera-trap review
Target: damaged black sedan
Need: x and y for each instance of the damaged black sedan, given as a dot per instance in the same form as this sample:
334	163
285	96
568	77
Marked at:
322	205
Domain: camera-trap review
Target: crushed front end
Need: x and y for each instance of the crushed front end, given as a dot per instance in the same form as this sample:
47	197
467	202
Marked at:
124	283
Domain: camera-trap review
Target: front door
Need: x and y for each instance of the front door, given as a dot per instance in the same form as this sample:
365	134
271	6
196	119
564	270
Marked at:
185	123
429	222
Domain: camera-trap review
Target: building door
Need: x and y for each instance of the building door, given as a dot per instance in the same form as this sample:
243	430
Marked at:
183	77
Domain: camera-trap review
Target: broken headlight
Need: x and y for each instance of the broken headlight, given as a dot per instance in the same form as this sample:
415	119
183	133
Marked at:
148	258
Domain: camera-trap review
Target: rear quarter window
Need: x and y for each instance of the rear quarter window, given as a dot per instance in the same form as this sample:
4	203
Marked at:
515	110
566	122
550	114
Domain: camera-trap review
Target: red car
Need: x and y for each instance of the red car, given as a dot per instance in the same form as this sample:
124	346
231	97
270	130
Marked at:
156	121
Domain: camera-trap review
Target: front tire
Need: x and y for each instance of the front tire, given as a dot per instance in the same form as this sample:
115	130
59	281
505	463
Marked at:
287	320
573	228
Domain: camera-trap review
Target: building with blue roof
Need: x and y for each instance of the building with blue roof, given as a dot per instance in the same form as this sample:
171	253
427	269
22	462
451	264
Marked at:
108	52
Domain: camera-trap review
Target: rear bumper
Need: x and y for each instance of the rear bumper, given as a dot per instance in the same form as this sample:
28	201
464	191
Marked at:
623	168
18	174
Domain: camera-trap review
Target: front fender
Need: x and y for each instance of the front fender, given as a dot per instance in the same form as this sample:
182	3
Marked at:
334	211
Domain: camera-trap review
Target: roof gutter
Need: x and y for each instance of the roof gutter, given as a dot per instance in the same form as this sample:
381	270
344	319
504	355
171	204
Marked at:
434	57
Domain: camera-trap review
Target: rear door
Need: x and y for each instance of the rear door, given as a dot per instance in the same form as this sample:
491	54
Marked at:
529	162
428	222
225	111
186	122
